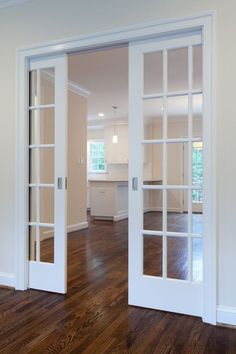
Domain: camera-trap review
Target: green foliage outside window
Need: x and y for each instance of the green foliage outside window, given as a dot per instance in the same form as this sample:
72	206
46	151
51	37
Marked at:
197	171
97	157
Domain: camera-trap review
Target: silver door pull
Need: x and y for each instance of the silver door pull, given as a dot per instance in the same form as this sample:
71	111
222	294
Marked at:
66	183
59	183
135	183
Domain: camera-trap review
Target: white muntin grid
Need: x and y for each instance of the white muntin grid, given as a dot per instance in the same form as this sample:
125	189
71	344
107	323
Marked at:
165	141
37	147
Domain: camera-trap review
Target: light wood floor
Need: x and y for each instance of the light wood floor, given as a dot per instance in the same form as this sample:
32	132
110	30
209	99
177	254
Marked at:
94	316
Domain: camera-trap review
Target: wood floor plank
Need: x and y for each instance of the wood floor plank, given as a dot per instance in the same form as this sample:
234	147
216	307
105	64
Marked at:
93	317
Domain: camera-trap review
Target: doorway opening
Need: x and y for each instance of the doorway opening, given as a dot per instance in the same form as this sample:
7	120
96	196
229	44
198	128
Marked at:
149	185
98	157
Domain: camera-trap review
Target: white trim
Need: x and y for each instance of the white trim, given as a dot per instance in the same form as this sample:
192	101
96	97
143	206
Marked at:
7	279
72	86
9	3
123	214
159	209
210	172
76	227
226	315
70	228
78	89
204	21
119	35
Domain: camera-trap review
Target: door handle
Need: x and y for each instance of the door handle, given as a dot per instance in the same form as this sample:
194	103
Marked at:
60	183
135	183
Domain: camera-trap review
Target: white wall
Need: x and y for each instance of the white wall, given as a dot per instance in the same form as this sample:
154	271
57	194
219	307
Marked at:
77	161
114	170
32	23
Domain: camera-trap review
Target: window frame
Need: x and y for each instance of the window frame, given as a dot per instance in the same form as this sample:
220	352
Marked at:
90	170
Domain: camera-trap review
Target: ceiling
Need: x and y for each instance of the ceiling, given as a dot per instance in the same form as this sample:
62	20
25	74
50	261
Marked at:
105	74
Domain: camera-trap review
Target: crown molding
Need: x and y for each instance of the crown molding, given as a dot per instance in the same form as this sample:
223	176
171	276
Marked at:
10	3
78	89
72	86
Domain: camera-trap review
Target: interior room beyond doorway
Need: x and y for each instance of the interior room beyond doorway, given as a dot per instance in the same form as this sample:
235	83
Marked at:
98	156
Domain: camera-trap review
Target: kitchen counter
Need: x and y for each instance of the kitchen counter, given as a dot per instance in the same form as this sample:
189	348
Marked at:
109	198
124	181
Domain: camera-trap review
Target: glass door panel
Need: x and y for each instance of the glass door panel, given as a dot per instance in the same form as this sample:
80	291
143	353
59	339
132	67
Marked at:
47	165
165	252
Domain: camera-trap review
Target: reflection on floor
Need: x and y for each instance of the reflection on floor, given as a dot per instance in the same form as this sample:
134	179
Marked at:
177	247
176	222
94	316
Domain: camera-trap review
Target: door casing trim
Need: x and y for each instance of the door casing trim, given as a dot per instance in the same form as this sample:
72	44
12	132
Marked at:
206	22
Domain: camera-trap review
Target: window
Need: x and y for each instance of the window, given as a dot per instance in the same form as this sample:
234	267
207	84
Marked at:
197	171
96	157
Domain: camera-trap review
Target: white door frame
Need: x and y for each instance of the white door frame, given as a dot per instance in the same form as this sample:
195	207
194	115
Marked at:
205	22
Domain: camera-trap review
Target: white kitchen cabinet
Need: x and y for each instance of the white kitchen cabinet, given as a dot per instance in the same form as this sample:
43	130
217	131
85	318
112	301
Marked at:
116	153
109	199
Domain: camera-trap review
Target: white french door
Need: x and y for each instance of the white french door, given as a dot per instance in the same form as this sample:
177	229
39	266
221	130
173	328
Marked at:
165	113
47	174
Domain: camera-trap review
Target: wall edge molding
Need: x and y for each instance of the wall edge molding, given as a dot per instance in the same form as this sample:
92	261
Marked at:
72	86
226	315
7	279
70	228
76	227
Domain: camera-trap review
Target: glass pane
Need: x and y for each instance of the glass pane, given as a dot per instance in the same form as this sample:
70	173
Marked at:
32	243
197	256
197	116
177	164
47	205
153	73
197	67
197	169
177	258
32	127
152	210
46	156
178	69
46	245
47	165
32	167
47	86
32	204
152	255
33	88
153	118
177	117
177	219
46	123
197	221
152	168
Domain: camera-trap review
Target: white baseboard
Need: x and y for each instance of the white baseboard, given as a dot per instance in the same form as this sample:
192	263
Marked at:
121	216
7	279
71	228
170	210
124	213
77	227
226	315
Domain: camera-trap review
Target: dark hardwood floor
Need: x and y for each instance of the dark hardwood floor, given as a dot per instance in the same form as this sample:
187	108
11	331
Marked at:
94	316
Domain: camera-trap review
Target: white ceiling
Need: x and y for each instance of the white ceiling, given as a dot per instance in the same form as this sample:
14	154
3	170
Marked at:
105	74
